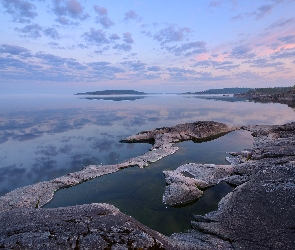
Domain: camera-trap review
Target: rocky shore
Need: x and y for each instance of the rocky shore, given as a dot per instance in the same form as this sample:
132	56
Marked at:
258	214
284	98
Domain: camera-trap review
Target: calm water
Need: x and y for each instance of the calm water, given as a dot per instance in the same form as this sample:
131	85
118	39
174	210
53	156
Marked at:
43	137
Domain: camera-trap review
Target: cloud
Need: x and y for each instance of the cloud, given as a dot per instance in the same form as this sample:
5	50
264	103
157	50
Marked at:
100	51
261	11
12	63
55	61
202	64
247	75
287	39
181	74
128	37
97	37
237	17
21	11
225	65
195	47
102	17
264	63
171	34
60	62
31	30
214	3
154	68
105	22
131	15
102	11
14	50
135	65
51	32
123	47
104	70
284	54
147	33
281	22
65	21
69	8
114	37
73	64
242	52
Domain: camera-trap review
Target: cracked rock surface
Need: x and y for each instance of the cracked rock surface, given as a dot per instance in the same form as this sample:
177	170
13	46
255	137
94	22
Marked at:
91	226
260	212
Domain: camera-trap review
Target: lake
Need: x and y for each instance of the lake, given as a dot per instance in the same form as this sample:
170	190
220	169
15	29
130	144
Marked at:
45	136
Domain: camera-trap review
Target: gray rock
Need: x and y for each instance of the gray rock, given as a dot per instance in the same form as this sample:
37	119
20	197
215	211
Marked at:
39	194
92	226
260	213
181	189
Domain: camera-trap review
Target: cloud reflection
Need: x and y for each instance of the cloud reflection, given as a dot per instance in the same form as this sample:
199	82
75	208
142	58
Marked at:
40	143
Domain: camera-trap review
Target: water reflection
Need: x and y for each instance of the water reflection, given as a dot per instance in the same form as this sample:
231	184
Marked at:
42	137
138	192
116	98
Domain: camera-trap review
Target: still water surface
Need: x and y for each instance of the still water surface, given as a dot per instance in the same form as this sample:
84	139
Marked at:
44	137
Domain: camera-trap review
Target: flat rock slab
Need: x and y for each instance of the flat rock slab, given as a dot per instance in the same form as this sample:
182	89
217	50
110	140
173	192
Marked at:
181	189
92	226
198	131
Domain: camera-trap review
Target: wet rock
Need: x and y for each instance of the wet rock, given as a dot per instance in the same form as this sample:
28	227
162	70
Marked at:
260	212
39	194
198	131
181	189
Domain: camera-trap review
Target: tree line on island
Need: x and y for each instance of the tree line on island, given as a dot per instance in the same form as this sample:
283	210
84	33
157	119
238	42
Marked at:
234	91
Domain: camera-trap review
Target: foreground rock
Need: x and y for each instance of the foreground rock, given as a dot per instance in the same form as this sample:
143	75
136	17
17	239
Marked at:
93	226
260	212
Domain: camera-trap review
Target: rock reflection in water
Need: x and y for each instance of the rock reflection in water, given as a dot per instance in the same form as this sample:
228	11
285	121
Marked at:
138	192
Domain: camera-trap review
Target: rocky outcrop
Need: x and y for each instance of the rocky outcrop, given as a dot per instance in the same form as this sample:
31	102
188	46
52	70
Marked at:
92	226
260	212
37	195
182	189
284	98
197	131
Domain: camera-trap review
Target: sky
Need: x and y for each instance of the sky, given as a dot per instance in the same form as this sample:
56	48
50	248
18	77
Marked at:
70	46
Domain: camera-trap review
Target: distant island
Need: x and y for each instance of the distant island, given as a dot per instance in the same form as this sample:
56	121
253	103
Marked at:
113	92
220	91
